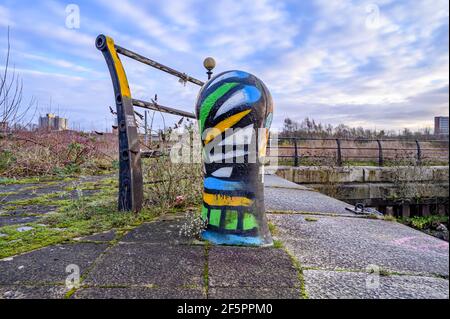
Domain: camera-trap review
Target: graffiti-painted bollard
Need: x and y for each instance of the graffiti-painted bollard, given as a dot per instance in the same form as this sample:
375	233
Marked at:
234	110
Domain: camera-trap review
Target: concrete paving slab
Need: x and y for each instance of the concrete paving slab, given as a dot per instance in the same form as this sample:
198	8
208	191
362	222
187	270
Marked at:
283	199
17	197
104	237
12	188
139	293
33	292
15	220
46	190
144	264
40	190
253	293
355	243
250	267
158	232
94	178
275	181
357	285
48	265
28	210
74	194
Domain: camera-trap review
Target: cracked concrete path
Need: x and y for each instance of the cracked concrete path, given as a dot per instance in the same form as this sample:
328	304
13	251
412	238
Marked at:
344	255
150	261
329	253
12	214
283	195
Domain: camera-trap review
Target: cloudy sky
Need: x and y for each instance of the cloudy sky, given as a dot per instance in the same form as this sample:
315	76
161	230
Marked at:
378	64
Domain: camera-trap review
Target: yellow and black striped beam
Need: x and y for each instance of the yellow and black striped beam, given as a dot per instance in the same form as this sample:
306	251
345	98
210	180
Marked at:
130	168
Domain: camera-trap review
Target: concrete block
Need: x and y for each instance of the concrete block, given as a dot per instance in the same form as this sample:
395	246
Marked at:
326	175
406	173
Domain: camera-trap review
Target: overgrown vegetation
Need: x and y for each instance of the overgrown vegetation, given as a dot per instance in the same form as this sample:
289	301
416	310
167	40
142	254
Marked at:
41	153
169	184
73	218
425	222
169	188
313	129
436	226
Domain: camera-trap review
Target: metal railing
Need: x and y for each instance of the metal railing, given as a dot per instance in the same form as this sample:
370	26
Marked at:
342	150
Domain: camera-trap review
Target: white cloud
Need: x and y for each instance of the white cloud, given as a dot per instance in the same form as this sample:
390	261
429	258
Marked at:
319	59
61	63
182	14
237	31
324	78
137	15
5	17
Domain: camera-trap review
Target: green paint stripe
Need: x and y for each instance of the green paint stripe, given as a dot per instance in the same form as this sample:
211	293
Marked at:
231	219
214	217
204	213
209	102
249	221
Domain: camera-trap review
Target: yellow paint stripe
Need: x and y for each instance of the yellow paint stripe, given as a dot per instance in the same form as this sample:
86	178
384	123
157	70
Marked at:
263	145
225	124
223	200
123	82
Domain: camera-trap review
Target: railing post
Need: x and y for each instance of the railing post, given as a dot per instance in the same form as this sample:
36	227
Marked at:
296	162
419	153
339	152
130	171
146	129
380	153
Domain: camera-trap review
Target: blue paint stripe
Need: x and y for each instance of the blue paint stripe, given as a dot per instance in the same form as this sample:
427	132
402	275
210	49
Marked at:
253	93
220	184
226	76
230	239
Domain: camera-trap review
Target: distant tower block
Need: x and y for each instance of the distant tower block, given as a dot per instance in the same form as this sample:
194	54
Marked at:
234	110
53	122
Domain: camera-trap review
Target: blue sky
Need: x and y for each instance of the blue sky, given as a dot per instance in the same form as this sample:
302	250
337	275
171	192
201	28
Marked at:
378	64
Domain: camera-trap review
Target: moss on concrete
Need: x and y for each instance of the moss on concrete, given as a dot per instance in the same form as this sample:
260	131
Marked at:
73	218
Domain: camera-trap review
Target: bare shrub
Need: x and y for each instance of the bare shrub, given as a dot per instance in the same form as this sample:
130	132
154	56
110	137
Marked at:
170	184
13	110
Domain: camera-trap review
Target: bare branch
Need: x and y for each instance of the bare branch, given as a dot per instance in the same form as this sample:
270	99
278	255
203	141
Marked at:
12	111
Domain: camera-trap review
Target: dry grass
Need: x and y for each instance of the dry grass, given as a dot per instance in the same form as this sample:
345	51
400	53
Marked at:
25	154
169	184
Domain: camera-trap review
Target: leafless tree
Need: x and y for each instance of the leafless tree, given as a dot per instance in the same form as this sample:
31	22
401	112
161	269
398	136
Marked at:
12	109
